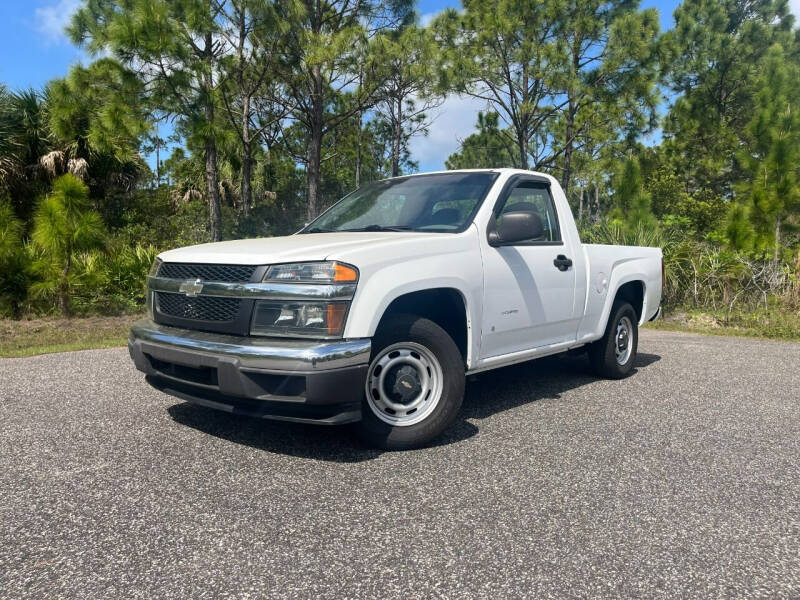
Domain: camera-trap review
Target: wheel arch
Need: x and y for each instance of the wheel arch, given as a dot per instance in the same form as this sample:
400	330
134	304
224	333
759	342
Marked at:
632	288
445	306
632	291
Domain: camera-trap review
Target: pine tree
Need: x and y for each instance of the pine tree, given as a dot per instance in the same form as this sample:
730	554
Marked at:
631	202
560	73
772	154
176	47
64	224
711	60
609	79
486	149
324	69
407	60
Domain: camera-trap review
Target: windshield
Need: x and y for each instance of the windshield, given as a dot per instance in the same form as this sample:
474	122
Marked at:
445	203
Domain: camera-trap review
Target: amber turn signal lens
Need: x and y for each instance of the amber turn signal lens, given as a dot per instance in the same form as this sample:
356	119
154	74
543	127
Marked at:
344	273
335	318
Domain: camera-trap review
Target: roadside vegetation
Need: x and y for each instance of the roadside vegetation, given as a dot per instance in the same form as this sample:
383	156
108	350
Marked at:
203	120
27	337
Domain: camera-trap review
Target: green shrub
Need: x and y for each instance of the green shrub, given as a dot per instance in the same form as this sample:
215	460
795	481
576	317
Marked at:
112	281
64	225
702	275
14	263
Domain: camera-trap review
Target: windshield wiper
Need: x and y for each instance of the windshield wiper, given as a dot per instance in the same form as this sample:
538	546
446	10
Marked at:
381	228
318	230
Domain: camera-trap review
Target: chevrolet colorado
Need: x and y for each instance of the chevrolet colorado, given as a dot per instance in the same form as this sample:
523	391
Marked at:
375	311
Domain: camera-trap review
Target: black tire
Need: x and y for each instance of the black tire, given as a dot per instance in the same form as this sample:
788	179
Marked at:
426	333
603	354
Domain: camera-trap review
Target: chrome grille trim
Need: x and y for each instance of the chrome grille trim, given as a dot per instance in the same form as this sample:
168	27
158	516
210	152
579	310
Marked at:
271	291
206	272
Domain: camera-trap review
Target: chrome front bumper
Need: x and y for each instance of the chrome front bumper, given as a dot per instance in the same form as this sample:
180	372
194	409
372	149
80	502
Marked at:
297	380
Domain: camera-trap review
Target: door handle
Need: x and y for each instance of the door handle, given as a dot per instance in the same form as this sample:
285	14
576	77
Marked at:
562	263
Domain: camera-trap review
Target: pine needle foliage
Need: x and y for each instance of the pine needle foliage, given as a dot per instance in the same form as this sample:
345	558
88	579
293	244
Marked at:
64	225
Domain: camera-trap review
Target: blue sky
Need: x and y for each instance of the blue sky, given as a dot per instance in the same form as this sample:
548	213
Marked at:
34	50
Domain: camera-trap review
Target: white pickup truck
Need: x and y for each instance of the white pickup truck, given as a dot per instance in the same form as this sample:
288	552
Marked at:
374	312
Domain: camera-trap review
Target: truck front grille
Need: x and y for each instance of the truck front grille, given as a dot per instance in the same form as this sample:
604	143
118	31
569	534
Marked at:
225	273
198	308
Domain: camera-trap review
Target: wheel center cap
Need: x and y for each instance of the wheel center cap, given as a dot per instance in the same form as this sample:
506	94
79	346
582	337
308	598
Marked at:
622	340
403	384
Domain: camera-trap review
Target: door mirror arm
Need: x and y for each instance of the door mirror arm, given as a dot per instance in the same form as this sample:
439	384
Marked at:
493	238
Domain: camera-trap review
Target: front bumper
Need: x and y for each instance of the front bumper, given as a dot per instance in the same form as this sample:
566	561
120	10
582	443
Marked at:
292	380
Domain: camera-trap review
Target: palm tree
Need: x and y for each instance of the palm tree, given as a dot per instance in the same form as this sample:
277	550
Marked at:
8	164
13	262
24	139
97	124
88	124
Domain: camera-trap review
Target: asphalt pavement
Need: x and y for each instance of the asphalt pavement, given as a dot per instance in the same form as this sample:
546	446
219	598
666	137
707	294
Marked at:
680	481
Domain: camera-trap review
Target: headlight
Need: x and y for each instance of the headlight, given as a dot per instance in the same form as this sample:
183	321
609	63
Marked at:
304	318
156	266
148	295
312	272
299	319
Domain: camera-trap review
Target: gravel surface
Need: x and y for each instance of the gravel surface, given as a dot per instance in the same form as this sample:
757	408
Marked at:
683	480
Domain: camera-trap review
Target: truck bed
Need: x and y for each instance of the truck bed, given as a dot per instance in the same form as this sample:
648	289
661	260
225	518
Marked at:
610	266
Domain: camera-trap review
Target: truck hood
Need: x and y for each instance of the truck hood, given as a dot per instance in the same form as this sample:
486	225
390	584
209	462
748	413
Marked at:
305	247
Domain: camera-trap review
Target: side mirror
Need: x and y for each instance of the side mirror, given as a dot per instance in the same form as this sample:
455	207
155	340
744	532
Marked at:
515	227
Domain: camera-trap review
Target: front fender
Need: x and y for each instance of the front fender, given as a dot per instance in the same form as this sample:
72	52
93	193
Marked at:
383	286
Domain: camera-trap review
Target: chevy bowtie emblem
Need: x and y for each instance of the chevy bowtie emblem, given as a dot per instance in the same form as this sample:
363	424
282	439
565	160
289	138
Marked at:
191	288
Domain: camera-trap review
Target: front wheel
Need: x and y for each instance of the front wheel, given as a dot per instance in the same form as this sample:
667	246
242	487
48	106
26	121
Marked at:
613	354
414	386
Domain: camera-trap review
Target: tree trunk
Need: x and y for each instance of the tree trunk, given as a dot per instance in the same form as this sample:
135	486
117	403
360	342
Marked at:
521	127
580	207
596	200
572	111
568	149
246	192
247	176
314	150
212	183
777	254
63	289
212	190
358	149
313	175
397	134
588	206
158	160
523	150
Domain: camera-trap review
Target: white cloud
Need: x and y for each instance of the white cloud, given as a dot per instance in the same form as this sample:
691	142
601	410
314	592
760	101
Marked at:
452	122
794	6
51	20
425	19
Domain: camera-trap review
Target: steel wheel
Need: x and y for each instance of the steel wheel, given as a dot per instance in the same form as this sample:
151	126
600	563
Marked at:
623	340
404	384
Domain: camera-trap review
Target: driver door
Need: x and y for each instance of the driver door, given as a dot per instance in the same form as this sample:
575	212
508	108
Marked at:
528	301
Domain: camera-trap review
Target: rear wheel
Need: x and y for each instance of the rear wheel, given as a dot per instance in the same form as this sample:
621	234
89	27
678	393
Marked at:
613	355
414	386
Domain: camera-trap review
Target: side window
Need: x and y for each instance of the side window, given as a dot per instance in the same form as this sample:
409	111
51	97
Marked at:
534	197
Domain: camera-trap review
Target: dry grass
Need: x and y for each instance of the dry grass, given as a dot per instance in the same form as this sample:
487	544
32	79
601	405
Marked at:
773	323
43	336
